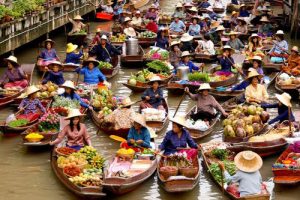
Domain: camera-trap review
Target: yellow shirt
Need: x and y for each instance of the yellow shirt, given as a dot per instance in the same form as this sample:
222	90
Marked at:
259	93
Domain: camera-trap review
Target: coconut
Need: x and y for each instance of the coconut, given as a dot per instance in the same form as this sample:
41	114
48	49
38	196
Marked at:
240	115
256	119
251	110
264	116
245	109
249	130
228	131
227	122
256	127
240	132
240	123
248	120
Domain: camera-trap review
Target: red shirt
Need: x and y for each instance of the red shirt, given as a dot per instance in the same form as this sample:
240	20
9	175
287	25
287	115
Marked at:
152	26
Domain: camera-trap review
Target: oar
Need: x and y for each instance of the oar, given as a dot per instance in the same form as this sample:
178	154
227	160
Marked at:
44	73
117	138
290	122
179	104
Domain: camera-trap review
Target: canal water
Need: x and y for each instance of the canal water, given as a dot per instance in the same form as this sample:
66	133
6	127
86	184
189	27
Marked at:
26	173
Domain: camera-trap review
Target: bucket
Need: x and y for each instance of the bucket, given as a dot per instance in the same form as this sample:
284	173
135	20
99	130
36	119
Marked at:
132	47
182	72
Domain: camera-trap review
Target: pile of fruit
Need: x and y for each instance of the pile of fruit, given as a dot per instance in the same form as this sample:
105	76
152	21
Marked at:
74	159
157	54
178	160
71	171
147	34
165	18
34	136
83	89
104	65
245	121
118	38
145	76
125	152
47	90
285	79
66	151
215	77
104	100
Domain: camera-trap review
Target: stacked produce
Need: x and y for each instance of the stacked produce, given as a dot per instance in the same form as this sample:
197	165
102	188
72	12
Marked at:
104	100
198	125
104	65
118	38
160	67
47	90
125	152
49	122
285	79
152	114
245	121
34	137
61	105
157	54
83	89
147	34
142	77
196	78
65	151
18	123
292	161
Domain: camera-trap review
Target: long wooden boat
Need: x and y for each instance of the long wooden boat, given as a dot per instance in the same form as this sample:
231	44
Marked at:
177	184
292	89
48	136
110	73
225	95
286	176
83	192
207	162
271	67
121	185
174	87
202	57
77	38
218	10
197	134
129	60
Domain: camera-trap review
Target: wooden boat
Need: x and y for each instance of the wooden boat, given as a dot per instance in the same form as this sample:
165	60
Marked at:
129	60
179	183
104	16
286	176
225	95
83	192
292	89
119	185
146	42
67	67
139	28
110	73
173	87
269	66
205	57
8	99
231	7
207	162
78	38
218	10
48	137
106	129
197	134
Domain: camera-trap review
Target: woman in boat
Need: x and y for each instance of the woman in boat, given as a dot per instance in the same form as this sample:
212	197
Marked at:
206	46
256	63
185	61
235	42
279	50
293	63
226	61
218	36
108	7
206	104
73	56
152	13
194	28
127	23
48	54
255	43
218	4
118	8
78	26
152	25
243	11
283	106
175	54
55	74
255	92
226	21
153	96
91	72
31	106
234	17
193	12
137	20
186	41
204	4
266	28
177	27
178	138
247	176
179	11
71	94
97	38
212	15
242	26
13	76
204	24
162	41
76	132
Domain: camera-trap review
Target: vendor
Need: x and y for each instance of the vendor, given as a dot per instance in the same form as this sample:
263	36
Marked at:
152	25
73	56
152	13
204	4
48	54
255	43
71	94
255	92
31	106
91	72
283	105
235	42
226	61
108	7
55	74
76	132
217	38
177	27
247	176
177	138
162	40
137	20
242	26
206	46
179	11
104	51
97	38
293	62
127	23
234	17
186	41
265	29
175	54
194	28
206	104
118	8
243	11
279	50
257	63
153	96
78	26
185	61
13	76
218	4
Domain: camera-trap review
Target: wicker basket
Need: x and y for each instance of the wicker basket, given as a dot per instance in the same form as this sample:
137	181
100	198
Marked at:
189	172
167	172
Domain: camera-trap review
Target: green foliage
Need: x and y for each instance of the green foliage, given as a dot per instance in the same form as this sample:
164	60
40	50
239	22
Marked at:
198	76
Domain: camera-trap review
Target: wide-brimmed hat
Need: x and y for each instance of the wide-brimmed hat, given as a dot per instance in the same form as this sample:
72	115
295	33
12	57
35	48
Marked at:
214	24
13	60
109	3
264	19
295	48
155	79
252	74
279	32
32	89
174	43
187	4
126	102
194	9
179	120
248	161
197	17
127	19
284	98
226	18
220	28
227	47
242	19
104	37
152	7
233	13
257	58
50	41
78	17
255	35
71	47
186	37
179	5
137	12
233	33
90	60
210	9
243	5
69	84
185	53
74	113
139	118
98	30
130	32
53	63
204	86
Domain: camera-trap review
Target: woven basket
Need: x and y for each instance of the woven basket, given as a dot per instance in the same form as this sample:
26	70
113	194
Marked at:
166	173
189	172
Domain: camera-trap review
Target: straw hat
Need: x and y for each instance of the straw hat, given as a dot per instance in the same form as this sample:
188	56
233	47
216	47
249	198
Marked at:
252	74
104	37
186	37
74	113
204	86
233	13
214	24
90	60
220	28
194	9
98	30
13	60
155	79
78	17
257	58
138	12
248	161
69	84
139	118
49	40
179	120
130	32
255	35
264	19
279	32
120	1
295	48
109	3
243	5
179	5
174	43
57	63
32	89
188	5
210	9
284	98
127	102
242	19
152	7
226	18
228	48
71	47
232	33
127	19
185	53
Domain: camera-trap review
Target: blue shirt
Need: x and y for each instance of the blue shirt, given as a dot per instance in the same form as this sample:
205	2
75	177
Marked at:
162	43
177	27
154	101
213	15
244	13
74	57
194	29
54	77
282	44
93	76
104	54
48	54
204	5
171	142
143	135
241	86
283	113
190	64
75	97
226	64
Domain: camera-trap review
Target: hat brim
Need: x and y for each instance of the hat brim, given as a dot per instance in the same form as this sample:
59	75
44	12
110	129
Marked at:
186	39
295	51
136	120
67	118
32	92
201	89
51	65
230	49
238	161
65	86
75	46
177	43
14	63
86	62
283	100
251	37
126	105
259	76
178	122
151	82
182	56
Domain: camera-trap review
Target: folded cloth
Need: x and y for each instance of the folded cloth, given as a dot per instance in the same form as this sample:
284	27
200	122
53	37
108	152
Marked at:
30	117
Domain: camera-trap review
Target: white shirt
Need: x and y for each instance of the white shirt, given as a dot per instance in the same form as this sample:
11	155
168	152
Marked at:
136	21
107	9
218	4
208	46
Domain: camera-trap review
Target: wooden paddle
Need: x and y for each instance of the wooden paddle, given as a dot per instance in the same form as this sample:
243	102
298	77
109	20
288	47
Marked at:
179	104
290	122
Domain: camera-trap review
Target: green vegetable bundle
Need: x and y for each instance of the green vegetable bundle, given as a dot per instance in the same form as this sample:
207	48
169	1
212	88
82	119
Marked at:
159	66
104	65
199	76
60	101
18	123
221	154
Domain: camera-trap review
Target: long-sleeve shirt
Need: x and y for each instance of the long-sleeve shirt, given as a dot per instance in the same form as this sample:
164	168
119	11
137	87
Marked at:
143	135
54	77
283	113
104	54
189	64
244	13
154	101
260	93
137	21
241	29
32	106
93	76
151	15
75	97
15	74
177	27
74	57
249	183
226	63
194	29
208	46
235	44
206	103
77	26
171	142
277	48
162	42
75	137
152	26
204	4
48	54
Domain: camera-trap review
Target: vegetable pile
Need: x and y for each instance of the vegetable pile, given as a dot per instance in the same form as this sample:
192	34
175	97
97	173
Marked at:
198	76
148	34
60	101
157	54
158	66
18	123
178	160
144	76
104	65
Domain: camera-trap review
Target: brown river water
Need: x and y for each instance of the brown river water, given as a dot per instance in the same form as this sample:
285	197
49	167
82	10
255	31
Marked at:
25	173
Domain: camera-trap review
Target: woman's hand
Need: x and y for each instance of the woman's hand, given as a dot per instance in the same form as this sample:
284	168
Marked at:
157	95
147	98
140	142
132	141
